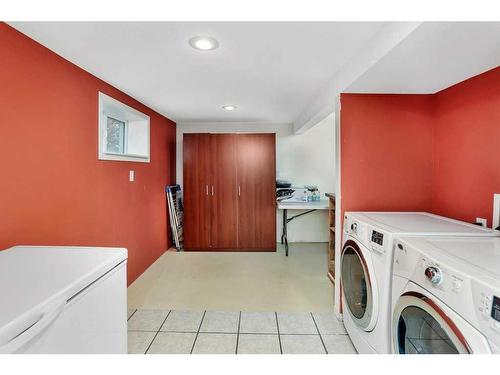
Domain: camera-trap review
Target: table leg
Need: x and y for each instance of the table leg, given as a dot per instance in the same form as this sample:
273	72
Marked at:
285	229
286	220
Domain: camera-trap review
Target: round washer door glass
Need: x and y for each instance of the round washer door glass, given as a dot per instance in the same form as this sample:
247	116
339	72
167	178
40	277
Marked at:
356	285
420	330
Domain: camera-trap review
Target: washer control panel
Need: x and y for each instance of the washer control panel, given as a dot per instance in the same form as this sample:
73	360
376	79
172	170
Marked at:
495	308
487	304
377	238
373	238
354	228
434	274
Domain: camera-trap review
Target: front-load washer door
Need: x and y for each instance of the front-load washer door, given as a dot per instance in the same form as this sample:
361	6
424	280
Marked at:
357	285
421	327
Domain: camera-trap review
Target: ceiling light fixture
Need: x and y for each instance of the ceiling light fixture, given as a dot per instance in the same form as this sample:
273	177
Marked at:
204	43
229	107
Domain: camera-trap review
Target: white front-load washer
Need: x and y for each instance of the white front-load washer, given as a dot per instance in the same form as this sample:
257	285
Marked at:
366	268
446	295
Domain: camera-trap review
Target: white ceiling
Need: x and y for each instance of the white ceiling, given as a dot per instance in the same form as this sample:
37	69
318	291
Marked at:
274	72
270	71
433	57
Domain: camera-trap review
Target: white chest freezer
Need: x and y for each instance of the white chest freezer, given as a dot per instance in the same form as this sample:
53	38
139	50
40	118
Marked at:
63	300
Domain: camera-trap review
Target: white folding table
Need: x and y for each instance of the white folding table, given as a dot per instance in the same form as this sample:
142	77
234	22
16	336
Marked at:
294	205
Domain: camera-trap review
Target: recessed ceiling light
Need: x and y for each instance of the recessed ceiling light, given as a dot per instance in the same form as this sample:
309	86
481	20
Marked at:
204	43
229	107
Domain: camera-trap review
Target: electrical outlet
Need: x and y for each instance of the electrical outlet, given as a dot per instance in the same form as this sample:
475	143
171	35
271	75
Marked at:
131	175
481	221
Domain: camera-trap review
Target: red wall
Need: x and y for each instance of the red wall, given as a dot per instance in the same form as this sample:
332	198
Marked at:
53	190
386	152
437	153
467	163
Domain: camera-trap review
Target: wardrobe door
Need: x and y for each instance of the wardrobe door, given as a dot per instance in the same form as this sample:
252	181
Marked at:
224	234
197	185
257	192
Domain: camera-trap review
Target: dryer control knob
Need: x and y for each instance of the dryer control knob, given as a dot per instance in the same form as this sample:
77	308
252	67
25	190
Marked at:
354	227
433	274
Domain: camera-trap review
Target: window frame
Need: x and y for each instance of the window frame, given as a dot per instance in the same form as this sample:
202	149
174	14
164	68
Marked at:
103	114
125	126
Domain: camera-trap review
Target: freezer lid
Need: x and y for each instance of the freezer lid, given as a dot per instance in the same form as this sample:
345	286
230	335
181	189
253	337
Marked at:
31	276
423	223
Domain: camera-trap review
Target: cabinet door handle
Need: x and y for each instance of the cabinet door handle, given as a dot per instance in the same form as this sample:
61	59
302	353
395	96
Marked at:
212	190
239	190
207	188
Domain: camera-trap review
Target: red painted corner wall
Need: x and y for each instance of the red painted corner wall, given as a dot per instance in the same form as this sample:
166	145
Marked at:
386	152
467	163
437	153
53	190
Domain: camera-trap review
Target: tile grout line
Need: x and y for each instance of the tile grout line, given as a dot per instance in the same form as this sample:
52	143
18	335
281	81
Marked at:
156	334
197	333
319	333
278	327
131	315
242	333
238	334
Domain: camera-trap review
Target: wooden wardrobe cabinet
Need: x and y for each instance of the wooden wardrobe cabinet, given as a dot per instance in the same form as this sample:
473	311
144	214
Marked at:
197	190
224	205
256	168
229	192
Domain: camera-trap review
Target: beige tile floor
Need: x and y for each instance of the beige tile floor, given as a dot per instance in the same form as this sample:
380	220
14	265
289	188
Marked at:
235	332
237	281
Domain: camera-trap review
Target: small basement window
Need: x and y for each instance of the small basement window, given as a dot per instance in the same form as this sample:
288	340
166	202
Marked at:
123	131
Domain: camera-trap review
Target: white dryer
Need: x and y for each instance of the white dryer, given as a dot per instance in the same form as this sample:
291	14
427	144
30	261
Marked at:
366	268
446	295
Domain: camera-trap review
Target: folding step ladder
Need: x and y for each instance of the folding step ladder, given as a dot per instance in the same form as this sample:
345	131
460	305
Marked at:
175	210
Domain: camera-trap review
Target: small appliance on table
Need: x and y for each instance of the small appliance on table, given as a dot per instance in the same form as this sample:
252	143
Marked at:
63	300
283	190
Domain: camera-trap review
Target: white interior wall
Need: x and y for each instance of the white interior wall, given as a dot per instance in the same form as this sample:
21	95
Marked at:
306	158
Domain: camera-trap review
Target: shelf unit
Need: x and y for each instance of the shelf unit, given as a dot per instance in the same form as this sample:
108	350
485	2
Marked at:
331	236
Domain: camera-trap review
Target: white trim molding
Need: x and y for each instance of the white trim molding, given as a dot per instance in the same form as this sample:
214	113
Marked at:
110	107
